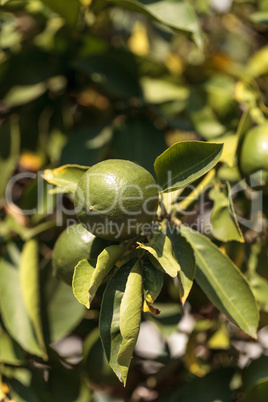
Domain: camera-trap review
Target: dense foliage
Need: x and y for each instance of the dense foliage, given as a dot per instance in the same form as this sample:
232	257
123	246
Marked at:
179	313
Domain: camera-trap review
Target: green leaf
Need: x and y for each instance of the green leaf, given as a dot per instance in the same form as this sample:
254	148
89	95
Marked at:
223	216
110	315
83	273
254	373
19	95
260	17
10	351
162	250
13	310
185	256
10	140
258	64
203	117
175	256
259	286
29	280
87	278
178	15
66	176
152	281
63	312
69	12
258	392
159	91
184	162
105	262
130	319
223	283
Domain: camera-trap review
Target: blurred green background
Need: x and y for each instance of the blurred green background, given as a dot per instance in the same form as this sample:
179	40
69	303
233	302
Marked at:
82	81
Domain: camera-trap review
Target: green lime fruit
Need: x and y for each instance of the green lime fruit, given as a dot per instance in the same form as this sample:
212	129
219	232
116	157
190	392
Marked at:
116	199
253	156
75	243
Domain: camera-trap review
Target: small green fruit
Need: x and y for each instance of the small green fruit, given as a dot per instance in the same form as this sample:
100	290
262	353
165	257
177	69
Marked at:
75	243
116	199
253	155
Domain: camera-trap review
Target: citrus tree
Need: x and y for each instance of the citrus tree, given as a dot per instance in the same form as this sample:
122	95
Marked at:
133	200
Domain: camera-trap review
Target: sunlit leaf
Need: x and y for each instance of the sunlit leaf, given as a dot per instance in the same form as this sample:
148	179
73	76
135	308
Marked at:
158	91
161	249
66	176
13	310
88	275
19	95
29	280
83	273
130	318
258	64
110	315
223	283
184	162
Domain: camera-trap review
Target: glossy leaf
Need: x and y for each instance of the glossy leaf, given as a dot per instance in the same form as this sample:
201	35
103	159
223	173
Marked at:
223	217
87	277
29	280
69	12
184	162
13	310
130	318
109	323
223	283
178	15
66	176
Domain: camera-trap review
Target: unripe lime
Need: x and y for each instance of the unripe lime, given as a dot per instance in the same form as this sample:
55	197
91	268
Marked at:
253	155
75	243
116	199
